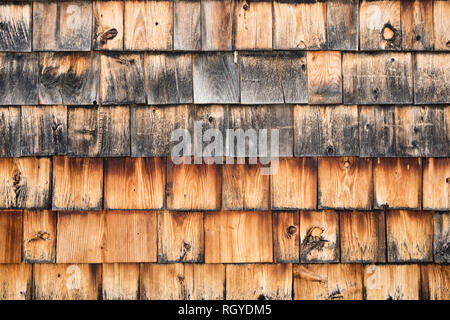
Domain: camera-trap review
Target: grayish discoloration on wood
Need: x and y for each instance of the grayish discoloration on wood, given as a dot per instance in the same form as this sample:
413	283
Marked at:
417	25
342	25
432	78
15	26
291	67
187	29
211	117
9	131
441	242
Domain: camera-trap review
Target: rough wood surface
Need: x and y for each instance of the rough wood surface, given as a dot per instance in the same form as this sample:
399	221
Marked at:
286	244
436	184
435	282
441	240
211	117
10	131
180	237
39	236
187	34
432	77
16	25
216	24
16	280
108	25
343	24
324	77
441	11
417	25
120	281
11	237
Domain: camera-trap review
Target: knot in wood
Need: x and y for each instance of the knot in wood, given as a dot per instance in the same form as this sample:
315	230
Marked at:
187	246
447	180
246	6
291	230
44	235
388	32
346	164
330	149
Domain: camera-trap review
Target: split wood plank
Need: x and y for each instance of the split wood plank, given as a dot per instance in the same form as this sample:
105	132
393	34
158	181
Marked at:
108	25
11	237
432	77
435	282
238	237
417	25
77	183
10	131
342	25
16	280
39	236
441	12
216	24
441	241
25	183
16	22
324	77
120	281
436	184
187	34
286	243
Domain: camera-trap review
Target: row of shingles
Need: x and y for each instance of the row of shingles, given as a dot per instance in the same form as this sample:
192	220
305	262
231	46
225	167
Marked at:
218	281
226	25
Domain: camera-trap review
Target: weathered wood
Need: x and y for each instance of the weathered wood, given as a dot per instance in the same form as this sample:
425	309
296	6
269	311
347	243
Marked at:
213	117
436	184
345	183
108	25
16	280
68	78
262	282
62	26
180	237
397	183
25	183
43	130
326	131
409	236
209	282
148	25
130	236
441	241
342	25
122	78
134	183
417	25
244	187
299	25
380	25
152	129
324	77
11	237
435	282
362	237
216	24
291	66
187	34
120	281
39	236
441	11
286	244
18	78
432	77
16	24
238	237
391	282
99	131
77	183
252	25
294	184
377	131
10	131
169	78
319	236
377	78
216	78
67	282
193	186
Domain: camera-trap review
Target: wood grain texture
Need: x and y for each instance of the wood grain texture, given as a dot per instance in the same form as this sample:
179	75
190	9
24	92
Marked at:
417	25
216	24
122	79
292	67
68	78
252	25
16	25
120	281
99	131
409	236
435	282
11	237
436	184
441	240
45	25
216	78
343	25
299	25
441	11
134	183
328	282
67	282
39	236
391	282
180	237
214	117
169	78
294	185
244	187
362	237
25	183
18	78
193	186
187	33
286	243
43	130
432	78
77	183
10	131
345	183
377	78
16	280
152	129
262	282
238	237
324	77
380	25
319	236
148	25
397	183
108	25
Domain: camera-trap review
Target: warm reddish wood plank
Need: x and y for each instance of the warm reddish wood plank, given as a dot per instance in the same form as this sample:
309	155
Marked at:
435	282
286	243
120	281
11	236
16	281
324	77
441	240
217	24
108	25
436	184
417	25
441	22
39	236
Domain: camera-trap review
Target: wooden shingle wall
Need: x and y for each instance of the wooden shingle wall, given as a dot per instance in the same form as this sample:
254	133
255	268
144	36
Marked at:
93	207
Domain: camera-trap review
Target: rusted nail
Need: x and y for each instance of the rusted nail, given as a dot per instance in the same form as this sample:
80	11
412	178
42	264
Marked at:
291	230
